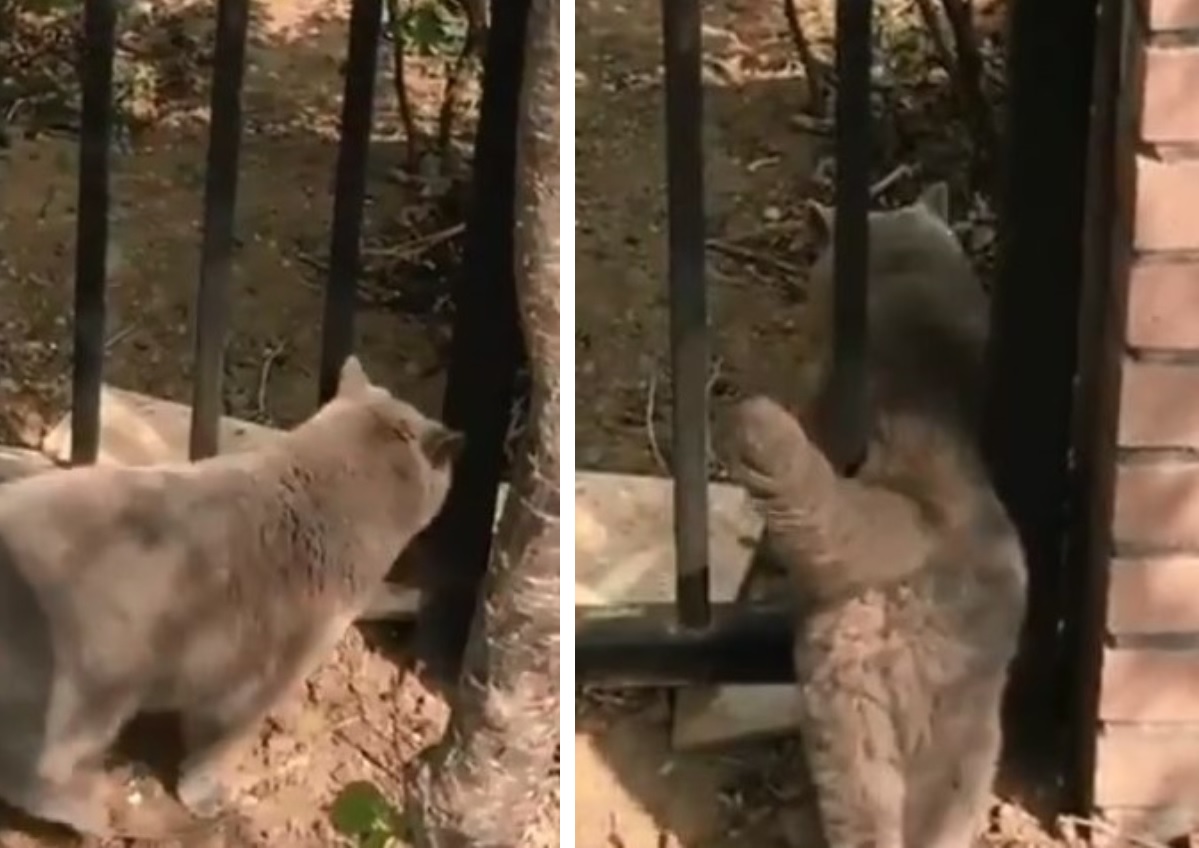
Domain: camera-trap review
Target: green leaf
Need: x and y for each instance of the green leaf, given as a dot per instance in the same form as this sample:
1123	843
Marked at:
361	809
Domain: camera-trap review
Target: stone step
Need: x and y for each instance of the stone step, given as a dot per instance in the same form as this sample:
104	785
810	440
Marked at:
138	429
624	554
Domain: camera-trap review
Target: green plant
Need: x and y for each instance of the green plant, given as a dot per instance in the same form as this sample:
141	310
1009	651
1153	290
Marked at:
363	815
432	28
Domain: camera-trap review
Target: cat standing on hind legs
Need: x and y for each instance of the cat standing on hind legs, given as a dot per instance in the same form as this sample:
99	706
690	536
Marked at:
908	579
206	589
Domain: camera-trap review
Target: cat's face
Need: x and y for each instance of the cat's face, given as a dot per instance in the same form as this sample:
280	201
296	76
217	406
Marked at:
913	242
421	449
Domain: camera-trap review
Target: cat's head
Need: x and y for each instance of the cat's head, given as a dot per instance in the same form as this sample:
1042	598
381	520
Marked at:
911	246
421	450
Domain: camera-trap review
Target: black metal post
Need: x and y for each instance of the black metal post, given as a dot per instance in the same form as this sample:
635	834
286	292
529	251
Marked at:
220	196
688	306
645	645
845	439
91	242
485	354
357	111
1034	335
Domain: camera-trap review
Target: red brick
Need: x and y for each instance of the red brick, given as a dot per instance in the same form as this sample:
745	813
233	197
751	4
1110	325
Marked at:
1138	767
1169	109
1162	15
1159	405
1149	686
1163	305
1157	505
1154	595
1167	205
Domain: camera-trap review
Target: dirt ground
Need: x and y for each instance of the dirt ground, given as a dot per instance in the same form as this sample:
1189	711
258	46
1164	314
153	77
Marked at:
765	153
363	715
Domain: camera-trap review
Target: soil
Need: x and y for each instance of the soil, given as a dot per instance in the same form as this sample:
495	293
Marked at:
363	715
767	149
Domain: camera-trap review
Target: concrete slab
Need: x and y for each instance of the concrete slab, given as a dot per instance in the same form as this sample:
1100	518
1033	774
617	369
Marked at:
624	553
138	429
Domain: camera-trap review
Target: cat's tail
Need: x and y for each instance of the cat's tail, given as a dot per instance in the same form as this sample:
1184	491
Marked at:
833	535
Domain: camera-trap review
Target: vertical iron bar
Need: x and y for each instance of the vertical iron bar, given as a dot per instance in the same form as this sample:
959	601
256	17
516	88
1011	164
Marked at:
847	436
357	111
91	242
486	352
688	306
220	197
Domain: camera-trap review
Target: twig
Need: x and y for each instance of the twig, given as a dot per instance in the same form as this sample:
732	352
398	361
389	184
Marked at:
650	431
119	336
969	84
744	253
932	21
272	353
1111	830
473	47
811	65
401	86
898	173
418	245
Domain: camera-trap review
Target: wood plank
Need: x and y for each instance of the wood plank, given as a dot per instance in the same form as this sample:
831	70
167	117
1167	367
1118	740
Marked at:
1153	766
1149	685
1154	595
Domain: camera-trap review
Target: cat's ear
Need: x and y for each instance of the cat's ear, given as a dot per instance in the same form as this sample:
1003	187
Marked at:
442	446
935	198
353	381
820	222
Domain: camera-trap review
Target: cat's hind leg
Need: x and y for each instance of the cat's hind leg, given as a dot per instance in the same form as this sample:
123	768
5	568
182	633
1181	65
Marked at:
959	776
855	765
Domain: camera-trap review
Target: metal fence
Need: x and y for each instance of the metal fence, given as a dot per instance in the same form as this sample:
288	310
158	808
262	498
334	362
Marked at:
1034	341
695	640
485	350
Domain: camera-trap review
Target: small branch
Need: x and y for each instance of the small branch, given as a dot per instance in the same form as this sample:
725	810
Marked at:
473	47
932	22
412	138
1100	826
813	70
650	429
745	254
970	91
898	173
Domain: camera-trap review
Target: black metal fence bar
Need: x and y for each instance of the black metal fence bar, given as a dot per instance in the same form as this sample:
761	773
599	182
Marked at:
357	112
211	320
688	306
486	349
846	438
644	645
91	242
654	645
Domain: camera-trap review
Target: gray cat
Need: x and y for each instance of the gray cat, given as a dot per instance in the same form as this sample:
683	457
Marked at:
209	589
909	579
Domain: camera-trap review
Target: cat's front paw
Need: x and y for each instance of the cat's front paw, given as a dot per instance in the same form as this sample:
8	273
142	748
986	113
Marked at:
202	794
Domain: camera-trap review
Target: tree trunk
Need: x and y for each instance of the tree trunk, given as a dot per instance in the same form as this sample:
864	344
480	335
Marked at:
482	785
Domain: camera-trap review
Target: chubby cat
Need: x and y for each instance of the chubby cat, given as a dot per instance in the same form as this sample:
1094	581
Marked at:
206	589
908	579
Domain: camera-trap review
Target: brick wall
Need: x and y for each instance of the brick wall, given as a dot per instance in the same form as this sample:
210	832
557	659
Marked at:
1147	748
